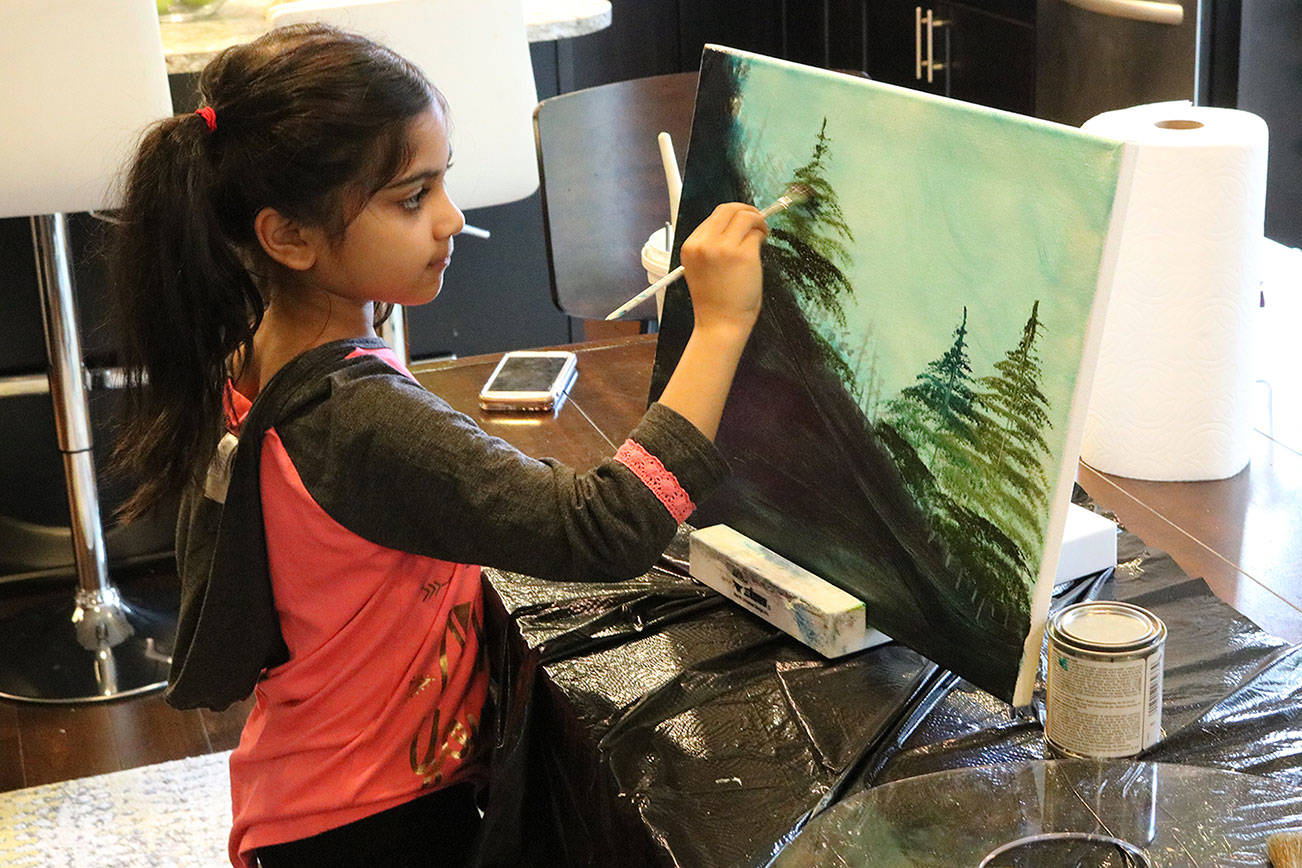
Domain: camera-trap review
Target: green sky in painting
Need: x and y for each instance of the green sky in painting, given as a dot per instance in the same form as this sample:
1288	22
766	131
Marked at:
950	207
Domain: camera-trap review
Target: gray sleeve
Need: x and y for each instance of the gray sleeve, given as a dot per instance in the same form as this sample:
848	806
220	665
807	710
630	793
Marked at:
396	465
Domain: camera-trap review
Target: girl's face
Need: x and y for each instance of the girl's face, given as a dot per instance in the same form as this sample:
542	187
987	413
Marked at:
398	247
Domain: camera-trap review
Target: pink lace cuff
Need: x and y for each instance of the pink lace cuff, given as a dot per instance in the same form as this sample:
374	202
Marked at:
663	484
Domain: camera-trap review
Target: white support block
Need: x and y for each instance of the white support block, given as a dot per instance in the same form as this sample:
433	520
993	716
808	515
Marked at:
1089	544
789	597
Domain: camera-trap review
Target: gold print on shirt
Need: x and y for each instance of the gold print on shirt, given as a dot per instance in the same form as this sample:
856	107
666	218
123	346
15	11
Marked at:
458	621
417	684
454	744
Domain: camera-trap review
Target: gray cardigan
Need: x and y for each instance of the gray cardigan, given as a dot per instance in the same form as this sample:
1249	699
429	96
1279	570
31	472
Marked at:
397	466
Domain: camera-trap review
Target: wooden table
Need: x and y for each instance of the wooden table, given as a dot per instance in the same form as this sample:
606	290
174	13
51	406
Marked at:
1243	535
606	401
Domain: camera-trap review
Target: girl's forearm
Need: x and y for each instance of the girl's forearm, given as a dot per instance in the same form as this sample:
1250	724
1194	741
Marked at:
699	385
722	259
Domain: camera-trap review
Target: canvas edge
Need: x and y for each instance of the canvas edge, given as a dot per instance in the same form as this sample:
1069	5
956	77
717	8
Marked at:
913	93
1025	686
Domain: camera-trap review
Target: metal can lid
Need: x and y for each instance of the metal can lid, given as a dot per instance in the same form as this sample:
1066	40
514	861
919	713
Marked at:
1107	626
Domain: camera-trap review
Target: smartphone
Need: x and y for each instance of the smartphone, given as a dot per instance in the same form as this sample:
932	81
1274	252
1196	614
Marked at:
529	380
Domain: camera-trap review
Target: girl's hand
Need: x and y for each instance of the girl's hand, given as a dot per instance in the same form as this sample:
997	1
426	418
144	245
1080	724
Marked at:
722	263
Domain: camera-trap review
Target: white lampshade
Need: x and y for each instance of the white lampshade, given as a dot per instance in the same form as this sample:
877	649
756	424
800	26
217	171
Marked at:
79	81
476	53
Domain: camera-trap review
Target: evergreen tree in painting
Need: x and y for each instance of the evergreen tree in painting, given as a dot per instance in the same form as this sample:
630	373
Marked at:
809	242
932	428
938	412
1015	411
807	248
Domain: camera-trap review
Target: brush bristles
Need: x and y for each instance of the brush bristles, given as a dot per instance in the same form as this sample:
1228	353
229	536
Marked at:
799	194
1284	849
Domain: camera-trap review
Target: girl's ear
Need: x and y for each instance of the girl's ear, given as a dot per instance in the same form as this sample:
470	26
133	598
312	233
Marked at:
286	241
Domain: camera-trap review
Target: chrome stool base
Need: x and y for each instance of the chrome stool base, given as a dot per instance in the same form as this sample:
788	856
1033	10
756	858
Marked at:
44	655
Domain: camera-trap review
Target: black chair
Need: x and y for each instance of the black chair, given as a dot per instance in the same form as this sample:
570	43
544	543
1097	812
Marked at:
603	187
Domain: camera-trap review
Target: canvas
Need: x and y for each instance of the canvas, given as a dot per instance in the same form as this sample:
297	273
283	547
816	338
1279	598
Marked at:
905	421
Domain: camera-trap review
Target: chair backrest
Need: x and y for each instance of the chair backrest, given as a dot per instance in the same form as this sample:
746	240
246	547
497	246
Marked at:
80	82
603	186
476	52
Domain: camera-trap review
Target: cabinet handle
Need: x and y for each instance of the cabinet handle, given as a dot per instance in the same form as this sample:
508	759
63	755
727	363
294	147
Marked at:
917	41
1137	10
932	23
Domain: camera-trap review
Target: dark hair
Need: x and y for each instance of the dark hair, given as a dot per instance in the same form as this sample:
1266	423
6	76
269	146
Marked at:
310	121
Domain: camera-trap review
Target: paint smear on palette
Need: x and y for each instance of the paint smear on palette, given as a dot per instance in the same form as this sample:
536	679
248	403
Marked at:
906	420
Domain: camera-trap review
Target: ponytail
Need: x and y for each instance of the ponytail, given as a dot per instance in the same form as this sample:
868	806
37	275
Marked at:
308	120
184	304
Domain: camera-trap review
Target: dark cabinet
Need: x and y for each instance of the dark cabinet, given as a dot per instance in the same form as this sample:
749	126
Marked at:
1270	85
651	37
991	59
896	44
826	33
955	49
752	25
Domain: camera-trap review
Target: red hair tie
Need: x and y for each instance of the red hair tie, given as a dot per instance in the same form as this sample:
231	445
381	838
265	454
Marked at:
209	117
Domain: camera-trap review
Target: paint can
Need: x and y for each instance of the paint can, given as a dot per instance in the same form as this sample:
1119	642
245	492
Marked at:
1103	693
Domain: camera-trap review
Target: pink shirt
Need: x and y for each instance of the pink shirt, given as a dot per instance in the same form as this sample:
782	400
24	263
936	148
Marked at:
381	698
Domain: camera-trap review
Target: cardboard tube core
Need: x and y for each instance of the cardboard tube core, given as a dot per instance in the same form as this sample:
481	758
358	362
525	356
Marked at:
1179	125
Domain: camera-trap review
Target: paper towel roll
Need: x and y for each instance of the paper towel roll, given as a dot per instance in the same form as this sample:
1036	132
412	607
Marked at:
1171	397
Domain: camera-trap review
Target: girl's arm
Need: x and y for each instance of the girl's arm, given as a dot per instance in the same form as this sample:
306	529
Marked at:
453	492
722	262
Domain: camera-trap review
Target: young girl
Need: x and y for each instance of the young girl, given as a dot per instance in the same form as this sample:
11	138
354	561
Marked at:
260	239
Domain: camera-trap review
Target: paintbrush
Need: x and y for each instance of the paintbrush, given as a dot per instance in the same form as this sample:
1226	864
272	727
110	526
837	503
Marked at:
795	194
1285	849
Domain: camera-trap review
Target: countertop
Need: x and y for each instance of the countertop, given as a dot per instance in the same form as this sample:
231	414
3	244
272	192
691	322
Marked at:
188	45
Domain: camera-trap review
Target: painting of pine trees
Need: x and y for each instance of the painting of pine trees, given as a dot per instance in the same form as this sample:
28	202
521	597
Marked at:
900	421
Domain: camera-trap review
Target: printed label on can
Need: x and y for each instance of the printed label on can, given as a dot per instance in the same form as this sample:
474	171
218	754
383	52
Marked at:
1101	704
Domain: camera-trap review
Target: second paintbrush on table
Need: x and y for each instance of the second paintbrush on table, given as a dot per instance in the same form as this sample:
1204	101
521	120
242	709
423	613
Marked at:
796	194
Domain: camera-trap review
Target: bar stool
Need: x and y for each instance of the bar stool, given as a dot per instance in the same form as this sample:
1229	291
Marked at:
81	81
477	54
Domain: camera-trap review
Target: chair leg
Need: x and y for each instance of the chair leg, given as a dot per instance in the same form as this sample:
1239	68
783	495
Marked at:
99	647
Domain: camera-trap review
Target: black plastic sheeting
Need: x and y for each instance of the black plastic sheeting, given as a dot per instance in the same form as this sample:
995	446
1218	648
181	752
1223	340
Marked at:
1232	694
655	723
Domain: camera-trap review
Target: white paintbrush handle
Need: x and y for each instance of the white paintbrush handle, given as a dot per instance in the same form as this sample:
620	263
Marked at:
783	202
646	293
673	180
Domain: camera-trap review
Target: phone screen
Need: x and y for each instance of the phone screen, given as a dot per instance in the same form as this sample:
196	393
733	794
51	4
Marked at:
529	374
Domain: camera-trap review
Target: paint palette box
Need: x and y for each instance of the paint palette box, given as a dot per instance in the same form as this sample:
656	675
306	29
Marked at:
788	596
